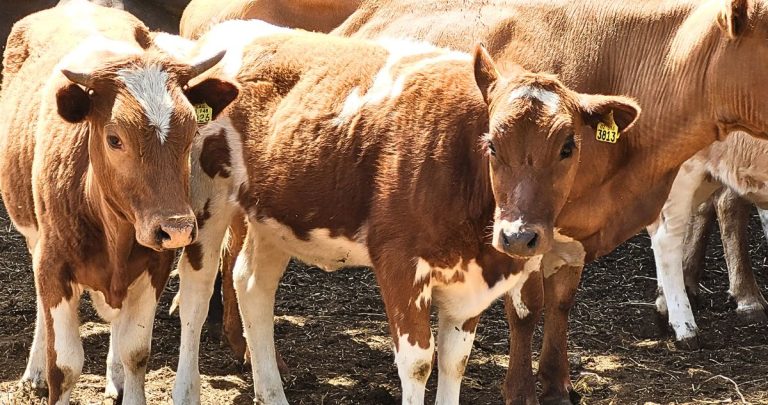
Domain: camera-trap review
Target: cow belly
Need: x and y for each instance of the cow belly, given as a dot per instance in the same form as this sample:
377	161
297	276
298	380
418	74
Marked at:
468	296
320	248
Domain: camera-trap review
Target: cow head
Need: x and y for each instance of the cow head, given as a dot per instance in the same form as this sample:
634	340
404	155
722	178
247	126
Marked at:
534	146
141	124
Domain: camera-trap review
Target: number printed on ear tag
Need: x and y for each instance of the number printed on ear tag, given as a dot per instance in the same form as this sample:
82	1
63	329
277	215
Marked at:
607	131
204	113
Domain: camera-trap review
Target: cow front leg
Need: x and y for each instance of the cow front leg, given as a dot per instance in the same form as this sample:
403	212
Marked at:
258	270
733	213
554	371
133	333
34	374
523	305
115	372
197	268
65	355
454	344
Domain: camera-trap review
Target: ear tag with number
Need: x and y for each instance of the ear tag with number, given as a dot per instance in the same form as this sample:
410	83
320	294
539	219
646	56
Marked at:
204	113
607	131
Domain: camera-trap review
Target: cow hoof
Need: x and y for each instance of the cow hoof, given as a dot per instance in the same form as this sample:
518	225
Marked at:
688	344
751	316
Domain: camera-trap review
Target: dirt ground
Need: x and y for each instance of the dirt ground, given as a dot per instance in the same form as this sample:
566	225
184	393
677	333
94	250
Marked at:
332	333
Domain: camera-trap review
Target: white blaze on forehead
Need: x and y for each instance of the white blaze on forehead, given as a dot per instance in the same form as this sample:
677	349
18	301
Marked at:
149	85
546	97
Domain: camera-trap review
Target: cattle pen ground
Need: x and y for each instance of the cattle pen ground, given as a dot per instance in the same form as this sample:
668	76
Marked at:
331	331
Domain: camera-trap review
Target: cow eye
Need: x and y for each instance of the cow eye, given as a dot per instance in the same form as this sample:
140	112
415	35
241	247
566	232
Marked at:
491	148
568	147
114	142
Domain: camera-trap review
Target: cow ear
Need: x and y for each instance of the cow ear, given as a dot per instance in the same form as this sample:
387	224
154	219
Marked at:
734	17
597	108
73	103
486	74
217	93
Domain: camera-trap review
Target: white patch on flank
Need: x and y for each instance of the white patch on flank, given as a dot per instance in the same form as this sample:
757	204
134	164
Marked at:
234	36
546	97
149	86
409	359
566	251
323	250
385	85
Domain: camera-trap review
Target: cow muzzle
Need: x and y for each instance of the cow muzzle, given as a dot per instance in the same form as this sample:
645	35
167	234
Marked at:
175	232
522	240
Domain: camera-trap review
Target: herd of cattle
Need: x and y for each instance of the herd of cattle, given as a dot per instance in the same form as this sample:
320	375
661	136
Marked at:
465	151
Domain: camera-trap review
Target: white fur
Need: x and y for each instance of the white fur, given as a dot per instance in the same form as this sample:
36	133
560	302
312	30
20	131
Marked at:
35	373
500	225
408	358
149	85
178	47
30	233
69	349
565	252
549	99
234	35
387	86
322	250
453	347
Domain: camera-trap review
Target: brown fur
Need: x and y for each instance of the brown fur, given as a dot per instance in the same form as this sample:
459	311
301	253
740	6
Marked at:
95	209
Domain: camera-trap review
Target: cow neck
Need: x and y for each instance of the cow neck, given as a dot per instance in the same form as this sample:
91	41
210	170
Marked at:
119	239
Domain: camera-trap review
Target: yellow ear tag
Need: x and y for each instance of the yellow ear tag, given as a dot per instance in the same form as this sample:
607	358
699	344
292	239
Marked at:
607	131
204	113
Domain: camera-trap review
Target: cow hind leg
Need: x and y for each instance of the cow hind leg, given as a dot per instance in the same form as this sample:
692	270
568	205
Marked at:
454	344
554	372
258	270
523	305
34	374
733	213
115	372
695	249
133	328
65	350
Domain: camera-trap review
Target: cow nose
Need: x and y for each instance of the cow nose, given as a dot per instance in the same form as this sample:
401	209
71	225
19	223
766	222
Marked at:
176	232
520	243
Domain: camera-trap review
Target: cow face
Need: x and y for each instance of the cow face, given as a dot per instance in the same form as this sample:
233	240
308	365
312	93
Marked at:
536	127
141	123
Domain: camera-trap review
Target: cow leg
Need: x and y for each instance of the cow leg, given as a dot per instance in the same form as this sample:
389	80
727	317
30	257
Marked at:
763	213
454	344
133	333
523	307
554	371
695	249
34	374
115	372
60	299
198	268
215	310
258	271
733	213
667	234
233	325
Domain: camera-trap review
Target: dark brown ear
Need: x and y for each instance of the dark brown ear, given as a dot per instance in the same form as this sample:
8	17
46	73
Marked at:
218	94
597	108
72	103
486	73
734	17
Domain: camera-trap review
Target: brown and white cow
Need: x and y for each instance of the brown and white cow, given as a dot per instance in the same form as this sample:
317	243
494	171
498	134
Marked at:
695	66
739	163
311	15
94	172
426	164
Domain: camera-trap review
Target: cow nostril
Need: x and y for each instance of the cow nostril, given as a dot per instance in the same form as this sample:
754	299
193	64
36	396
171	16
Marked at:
505	239
534	241
161	235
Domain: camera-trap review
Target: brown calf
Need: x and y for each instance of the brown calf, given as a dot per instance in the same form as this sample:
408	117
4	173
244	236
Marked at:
94	172
420	162
694	66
